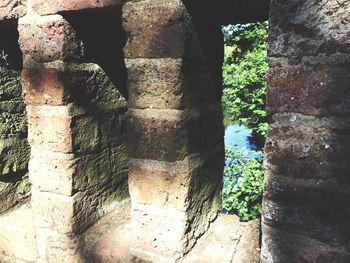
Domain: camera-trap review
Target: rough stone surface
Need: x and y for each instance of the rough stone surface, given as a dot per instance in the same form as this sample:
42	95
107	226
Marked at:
176	192
110	239
77	135
309	27
85	164
163	184
149	89
151	36
14	148
177	154
17	236
182	84
47	7
305	217
170	135
56	247
12	9
46	39
298	249
228	240
62	83
317	86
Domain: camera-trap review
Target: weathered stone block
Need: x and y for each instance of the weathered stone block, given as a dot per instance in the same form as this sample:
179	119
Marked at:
317	148
59	171
50	128
227	240
58	129
12	9
112	123
282	246
61	83
43	86
306	171
156	83
99	169
54	247
309	27
14	148
64	214
54	211
170	135
44	7
157	135
67	174
184	193
151	36
162	237
316	212
318	86
46	39
161	184
169	84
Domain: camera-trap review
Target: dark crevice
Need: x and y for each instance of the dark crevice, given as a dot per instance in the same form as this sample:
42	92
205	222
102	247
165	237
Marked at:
104	38
13	177
10	52
227	12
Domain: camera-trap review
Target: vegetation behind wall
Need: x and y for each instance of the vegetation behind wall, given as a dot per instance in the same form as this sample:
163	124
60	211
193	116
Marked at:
245	85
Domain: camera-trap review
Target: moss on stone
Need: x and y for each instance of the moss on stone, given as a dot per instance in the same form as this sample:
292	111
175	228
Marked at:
10	83
23	186
14	155
14	193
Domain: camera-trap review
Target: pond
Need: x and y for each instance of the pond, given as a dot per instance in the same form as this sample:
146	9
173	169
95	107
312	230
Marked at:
238	136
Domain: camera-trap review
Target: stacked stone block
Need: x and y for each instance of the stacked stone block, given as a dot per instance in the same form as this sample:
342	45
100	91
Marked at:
78	165
175	130
306	216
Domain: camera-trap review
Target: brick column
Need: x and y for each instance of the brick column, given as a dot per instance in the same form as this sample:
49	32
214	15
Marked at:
175	130
306	212
78	163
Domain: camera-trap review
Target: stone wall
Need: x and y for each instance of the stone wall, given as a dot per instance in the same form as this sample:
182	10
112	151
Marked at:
14	149
306	212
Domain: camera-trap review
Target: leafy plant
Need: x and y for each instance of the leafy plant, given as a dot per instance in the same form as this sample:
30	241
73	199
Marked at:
244	74
243	183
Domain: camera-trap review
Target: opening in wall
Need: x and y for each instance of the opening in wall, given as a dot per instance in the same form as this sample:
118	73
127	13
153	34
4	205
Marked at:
244	80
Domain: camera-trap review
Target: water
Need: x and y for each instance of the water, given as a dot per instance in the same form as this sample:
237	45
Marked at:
237	136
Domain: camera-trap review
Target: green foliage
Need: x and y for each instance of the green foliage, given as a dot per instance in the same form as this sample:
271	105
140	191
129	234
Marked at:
243	183
244	74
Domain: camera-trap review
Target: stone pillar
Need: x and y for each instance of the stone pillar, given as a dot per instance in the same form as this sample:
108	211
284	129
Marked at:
305	208
175	129
78	165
